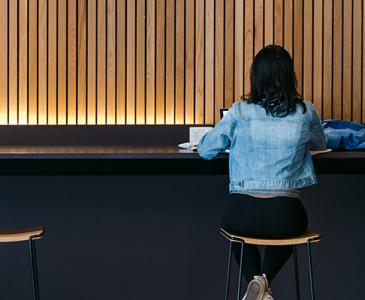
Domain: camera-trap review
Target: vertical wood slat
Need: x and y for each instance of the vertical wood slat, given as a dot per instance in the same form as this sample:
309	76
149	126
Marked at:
13	62
121	61
110	63
101	62
249	43
347	63
62	63
278	21
298	43
81	62
259	25
269	22
337	59
160	61
199	62
218	58
91	61
307	51
52	63
288	25
229	53
141	64
317	55
239	50
3	62
150	62
356	62
23	69
180	62
71	65
209	62
189	62
42	63
170	62
327	60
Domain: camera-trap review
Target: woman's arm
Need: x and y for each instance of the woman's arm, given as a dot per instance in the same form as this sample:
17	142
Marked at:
318	138
220	137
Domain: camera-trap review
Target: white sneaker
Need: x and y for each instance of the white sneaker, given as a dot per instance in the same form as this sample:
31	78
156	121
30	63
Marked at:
258	289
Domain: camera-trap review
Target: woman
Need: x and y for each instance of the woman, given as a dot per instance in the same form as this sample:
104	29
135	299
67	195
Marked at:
269	136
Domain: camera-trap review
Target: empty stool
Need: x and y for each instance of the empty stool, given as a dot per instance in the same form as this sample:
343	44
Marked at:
305	239
26	235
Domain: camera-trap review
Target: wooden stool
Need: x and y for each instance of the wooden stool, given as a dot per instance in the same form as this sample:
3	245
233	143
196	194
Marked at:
26	235
307	238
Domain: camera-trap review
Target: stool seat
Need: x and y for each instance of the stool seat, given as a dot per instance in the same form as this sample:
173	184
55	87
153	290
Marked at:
297	240
21	235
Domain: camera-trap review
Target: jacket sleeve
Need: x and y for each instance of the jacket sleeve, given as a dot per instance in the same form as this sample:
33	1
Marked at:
318	138
219	138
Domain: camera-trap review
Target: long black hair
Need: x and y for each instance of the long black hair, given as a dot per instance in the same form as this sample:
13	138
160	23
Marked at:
273	82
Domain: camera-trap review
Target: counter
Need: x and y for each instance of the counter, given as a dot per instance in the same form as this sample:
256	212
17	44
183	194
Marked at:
120	160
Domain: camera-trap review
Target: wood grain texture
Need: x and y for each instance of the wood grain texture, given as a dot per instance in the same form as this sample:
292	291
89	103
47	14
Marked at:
62	63
347	63
81	62
23	68
199	62
171	62
337	59
327	60
218	59
317	55
180	62
356	59
298	43
239	50
121	61
101	62
307	51
3	62
269	22
141	63
160	62
110	63
52	63
209	62
13	63
249	43
278	22
150	62
229	54
189	61
71	64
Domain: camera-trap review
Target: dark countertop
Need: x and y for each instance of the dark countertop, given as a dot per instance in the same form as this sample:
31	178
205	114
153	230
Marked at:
118	160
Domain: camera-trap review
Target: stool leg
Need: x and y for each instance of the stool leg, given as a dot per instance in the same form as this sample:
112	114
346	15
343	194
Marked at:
240	274
228	270
33	262
310	268
297	286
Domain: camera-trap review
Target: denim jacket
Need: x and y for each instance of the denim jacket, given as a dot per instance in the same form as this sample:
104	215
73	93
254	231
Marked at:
266	152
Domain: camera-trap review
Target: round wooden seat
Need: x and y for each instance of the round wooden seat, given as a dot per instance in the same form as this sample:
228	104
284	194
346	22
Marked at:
21	235
311	237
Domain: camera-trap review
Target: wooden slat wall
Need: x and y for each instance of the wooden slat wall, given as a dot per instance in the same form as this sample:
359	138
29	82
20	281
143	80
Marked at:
171	61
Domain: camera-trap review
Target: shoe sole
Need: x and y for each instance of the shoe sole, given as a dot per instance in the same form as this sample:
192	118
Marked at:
254	291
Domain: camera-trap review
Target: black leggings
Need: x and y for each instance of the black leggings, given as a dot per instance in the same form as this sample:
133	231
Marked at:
278	217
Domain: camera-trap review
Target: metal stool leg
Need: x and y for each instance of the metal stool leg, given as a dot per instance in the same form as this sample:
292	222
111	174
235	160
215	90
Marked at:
33	261
297	286
228	270
310	269
240	274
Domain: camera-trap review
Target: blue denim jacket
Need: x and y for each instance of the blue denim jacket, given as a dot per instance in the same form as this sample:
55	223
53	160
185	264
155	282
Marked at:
266	152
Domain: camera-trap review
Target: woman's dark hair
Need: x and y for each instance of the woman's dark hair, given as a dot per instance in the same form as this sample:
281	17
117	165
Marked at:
273	82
